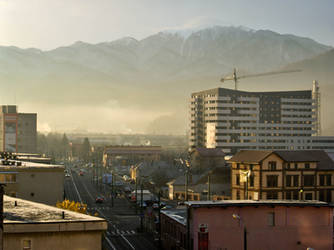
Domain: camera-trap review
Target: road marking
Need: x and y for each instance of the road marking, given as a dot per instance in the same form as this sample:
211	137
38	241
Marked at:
105	218
112	245
76	189
128	242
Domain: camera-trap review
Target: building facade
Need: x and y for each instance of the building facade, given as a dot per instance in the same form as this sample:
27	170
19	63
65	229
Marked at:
260	225
284	175
34	226
129	155
33	181
18	131
233	120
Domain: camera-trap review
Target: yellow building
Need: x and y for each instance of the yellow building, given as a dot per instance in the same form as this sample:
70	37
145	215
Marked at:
34	226
297	175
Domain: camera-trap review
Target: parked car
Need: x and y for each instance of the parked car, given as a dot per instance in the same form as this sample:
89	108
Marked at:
67	175
81	173
99	199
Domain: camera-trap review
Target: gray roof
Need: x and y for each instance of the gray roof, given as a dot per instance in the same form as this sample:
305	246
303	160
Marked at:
179	215
256	156
251	156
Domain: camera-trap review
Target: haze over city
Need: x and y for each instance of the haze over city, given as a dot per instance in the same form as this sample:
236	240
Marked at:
136	89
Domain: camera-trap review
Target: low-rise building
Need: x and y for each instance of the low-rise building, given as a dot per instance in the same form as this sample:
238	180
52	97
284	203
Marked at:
203	159
30	225
297	175
128	155
33	181
246	224
211	185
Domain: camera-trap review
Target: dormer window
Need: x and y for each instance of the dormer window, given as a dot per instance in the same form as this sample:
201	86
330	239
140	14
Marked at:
272	165
307	165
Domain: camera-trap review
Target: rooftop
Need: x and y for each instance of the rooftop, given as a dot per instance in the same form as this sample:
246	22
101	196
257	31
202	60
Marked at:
32	212
256	156
17	164
180	215
248	203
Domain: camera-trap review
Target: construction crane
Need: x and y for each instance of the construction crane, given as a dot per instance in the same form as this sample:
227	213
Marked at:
236	78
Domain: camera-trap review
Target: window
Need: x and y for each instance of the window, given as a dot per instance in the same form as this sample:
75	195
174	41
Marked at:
307	165
295	180
296	165
308	196
238	195
26	244
251	181
288	180
272	180
272	165
271	219
238	165
329	180
237	179
295	195
325	180
308	180
288	195
272	195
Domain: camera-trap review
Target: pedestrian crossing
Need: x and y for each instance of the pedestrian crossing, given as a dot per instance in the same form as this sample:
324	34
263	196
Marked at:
121	232
98	208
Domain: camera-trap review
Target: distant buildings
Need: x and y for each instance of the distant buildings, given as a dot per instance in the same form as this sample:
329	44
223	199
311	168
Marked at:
214	184
18	131
33	181
29	225
128	155
203	159
290	175
287	225
233	120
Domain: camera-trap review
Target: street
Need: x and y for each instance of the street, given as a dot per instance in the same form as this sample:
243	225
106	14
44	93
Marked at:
122	219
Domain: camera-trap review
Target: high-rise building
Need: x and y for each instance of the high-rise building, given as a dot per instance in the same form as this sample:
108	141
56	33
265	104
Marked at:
18	131
235	120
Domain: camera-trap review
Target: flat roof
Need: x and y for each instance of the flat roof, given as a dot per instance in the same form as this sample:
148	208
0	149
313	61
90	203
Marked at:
249	203
32	212
180	215
28	164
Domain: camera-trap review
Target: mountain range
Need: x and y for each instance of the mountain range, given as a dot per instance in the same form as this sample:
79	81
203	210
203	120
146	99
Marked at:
130	85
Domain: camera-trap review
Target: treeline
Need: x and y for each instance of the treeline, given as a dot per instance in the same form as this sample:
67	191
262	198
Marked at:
58	147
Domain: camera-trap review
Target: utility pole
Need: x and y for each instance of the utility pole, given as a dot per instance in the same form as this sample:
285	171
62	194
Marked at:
112	189
141	206
209	187
136	193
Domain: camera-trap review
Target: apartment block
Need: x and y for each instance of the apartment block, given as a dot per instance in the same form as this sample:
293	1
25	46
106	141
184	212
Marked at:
284	175
234	120
18	131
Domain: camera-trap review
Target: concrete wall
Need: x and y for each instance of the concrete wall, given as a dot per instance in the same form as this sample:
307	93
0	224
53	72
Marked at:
295	227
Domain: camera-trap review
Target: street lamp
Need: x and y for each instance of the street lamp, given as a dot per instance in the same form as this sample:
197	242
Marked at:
241	222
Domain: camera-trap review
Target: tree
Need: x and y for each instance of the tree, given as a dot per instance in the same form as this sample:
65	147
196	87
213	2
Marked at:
65	148
85	150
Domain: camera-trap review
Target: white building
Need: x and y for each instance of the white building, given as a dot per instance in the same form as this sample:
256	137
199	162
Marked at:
235	120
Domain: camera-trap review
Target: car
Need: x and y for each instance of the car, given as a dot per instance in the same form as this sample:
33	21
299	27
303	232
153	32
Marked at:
155	206
167	207
99	199
81	173
67	175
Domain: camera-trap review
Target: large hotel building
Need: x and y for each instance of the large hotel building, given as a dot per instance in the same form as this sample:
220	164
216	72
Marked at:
234	120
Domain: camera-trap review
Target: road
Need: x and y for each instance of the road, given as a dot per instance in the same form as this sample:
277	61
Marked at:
122	219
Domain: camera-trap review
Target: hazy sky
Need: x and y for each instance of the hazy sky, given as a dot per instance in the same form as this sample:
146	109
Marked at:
47	24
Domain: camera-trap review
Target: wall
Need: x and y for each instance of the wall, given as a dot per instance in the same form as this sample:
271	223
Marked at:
55	240
295	227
